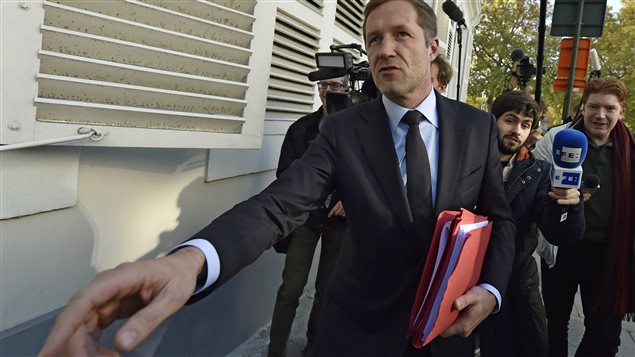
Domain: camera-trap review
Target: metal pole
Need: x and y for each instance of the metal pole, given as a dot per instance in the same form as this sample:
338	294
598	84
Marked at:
574	58
459	37
541	49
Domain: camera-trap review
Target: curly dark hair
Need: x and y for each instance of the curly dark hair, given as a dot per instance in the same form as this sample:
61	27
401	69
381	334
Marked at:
519	102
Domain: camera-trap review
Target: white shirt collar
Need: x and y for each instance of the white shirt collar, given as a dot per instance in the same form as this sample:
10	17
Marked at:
427	107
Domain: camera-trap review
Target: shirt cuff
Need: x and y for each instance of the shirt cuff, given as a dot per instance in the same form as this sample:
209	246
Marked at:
212	261
494	291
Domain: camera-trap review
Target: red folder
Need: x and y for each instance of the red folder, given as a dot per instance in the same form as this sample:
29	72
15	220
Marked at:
453	266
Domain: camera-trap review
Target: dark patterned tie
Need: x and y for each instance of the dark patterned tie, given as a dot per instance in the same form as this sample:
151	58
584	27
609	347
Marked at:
419	183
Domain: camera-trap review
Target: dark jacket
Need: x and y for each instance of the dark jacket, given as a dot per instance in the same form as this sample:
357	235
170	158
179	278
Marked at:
526	191
297	140
519	329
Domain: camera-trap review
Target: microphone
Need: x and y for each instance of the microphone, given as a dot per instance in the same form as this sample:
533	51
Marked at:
327	73
517	55
590	184
454	13
595	63
569	151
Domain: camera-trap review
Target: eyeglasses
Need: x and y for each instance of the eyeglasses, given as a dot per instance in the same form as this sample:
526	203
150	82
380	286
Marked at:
334	86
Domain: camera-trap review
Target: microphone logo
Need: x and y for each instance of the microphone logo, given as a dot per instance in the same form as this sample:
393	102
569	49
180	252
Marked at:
569	151
567	179
569	155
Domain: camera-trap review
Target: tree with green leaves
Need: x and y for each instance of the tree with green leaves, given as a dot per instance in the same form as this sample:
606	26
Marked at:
511	24
506	25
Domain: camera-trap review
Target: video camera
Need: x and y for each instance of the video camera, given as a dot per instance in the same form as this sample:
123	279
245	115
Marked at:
338	63
523	70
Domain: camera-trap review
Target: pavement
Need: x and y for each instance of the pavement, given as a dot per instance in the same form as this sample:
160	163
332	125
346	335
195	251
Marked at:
576	330
256	346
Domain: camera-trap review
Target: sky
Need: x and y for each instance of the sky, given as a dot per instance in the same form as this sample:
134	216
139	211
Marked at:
616	5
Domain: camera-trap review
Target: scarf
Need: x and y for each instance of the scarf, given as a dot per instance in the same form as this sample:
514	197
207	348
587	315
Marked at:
522	154
617	296
618	281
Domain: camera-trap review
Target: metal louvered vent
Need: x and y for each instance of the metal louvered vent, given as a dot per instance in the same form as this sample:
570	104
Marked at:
448	53
349	15
165	64
316	5
290	93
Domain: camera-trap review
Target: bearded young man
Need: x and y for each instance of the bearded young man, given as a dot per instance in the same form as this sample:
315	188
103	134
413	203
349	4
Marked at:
520	327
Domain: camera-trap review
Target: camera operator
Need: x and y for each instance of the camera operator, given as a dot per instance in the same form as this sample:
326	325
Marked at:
522	70
327	223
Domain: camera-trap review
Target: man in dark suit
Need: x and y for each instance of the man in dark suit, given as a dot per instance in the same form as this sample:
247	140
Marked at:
391	205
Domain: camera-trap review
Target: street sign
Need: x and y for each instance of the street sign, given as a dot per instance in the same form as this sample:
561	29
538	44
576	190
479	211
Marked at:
564	18
564	65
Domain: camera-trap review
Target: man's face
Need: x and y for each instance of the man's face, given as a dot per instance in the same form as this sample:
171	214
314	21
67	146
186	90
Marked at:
334	85
513	130
397	52
434	76
601	113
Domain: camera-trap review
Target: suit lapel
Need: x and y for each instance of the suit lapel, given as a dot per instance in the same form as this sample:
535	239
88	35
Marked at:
376	142
452	131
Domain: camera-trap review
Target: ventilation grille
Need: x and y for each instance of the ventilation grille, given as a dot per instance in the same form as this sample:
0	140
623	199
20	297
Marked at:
316	5
444	33
179	65
448	53
290	93
349	15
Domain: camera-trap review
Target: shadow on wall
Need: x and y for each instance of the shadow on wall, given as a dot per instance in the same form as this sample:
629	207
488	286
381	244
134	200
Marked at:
217	324
194	199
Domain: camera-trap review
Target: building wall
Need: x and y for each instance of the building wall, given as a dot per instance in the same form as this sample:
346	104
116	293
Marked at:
134	204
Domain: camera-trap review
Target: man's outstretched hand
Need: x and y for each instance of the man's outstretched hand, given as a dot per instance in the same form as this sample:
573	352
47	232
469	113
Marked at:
148	292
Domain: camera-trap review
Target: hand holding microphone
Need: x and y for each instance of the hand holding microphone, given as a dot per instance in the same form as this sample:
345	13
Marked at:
569	151
565	196
571	196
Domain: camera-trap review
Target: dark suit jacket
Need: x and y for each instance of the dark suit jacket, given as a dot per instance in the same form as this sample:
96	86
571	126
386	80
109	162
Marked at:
296	142
374	283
